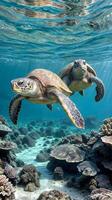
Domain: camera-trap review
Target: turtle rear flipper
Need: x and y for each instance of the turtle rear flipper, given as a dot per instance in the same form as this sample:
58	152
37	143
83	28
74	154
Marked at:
100	89
49	106
81	92
14	108
69	108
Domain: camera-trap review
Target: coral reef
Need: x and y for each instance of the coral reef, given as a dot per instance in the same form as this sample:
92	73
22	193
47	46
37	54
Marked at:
54	195
10	172
68	152
29	178
66	156
89	156
58	173
7	172
80	160
26	136
101	194
7	153
100	181
106	127
72	139
43	156
4	128
7	146
87	168
6	189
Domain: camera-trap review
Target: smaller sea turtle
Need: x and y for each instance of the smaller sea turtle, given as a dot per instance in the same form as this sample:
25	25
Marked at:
79	75
42	86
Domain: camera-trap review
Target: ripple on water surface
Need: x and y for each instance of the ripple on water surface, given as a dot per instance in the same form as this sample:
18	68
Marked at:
55	29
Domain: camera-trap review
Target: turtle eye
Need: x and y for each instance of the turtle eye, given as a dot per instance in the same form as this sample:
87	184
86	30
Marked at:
20	82
75	64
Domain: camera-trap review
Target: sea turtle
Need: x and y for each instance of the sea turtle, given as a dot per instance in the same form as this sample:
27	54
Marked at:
79	75
42	86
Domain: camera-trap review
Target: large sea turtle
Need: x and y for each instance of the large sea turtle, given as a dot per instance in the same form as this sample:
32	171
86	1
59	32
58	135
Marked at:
43	87
79	75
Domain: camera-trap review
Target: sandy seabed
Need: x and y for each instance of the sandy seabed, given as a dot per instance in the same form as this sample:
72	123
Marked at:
47	185
46	182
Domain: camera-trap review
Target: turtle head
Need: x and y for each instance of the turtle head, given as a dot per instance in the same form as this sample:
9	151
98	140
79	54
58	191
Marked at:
25	86
79	69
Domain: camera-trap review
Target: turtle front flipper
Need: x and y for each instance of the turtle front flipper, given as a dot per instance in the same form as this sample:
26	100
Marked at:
14	108
69	108
65	73
100	89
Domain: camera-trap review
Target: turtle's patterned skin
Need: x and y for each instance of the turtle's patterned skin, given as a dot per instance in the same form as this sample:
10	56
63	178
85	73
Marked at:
79	75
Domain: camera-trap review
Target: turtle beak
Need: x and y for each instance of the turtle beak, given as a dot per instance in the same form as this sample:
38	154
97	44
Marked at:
14	86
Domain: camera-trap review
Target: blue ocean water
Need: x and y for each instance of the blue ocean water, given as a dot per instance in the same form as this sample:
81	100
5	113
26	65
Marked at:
51	34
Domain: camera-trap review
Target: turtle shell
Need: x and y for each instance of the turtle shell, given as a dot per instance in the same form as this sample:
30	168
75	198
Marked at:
66	70
78	85
48	78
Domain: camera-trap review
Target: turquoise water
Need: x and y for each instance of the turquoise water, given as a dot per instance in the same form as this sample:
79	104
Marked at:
33	35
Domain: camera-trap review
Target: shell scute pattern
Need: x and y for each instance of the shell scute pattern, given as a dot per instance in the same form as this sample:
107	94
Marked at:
48	78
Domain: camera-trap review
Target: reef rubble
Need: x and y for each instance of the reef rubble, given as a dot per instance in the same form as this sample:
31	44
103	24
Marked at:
74	166
26	135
